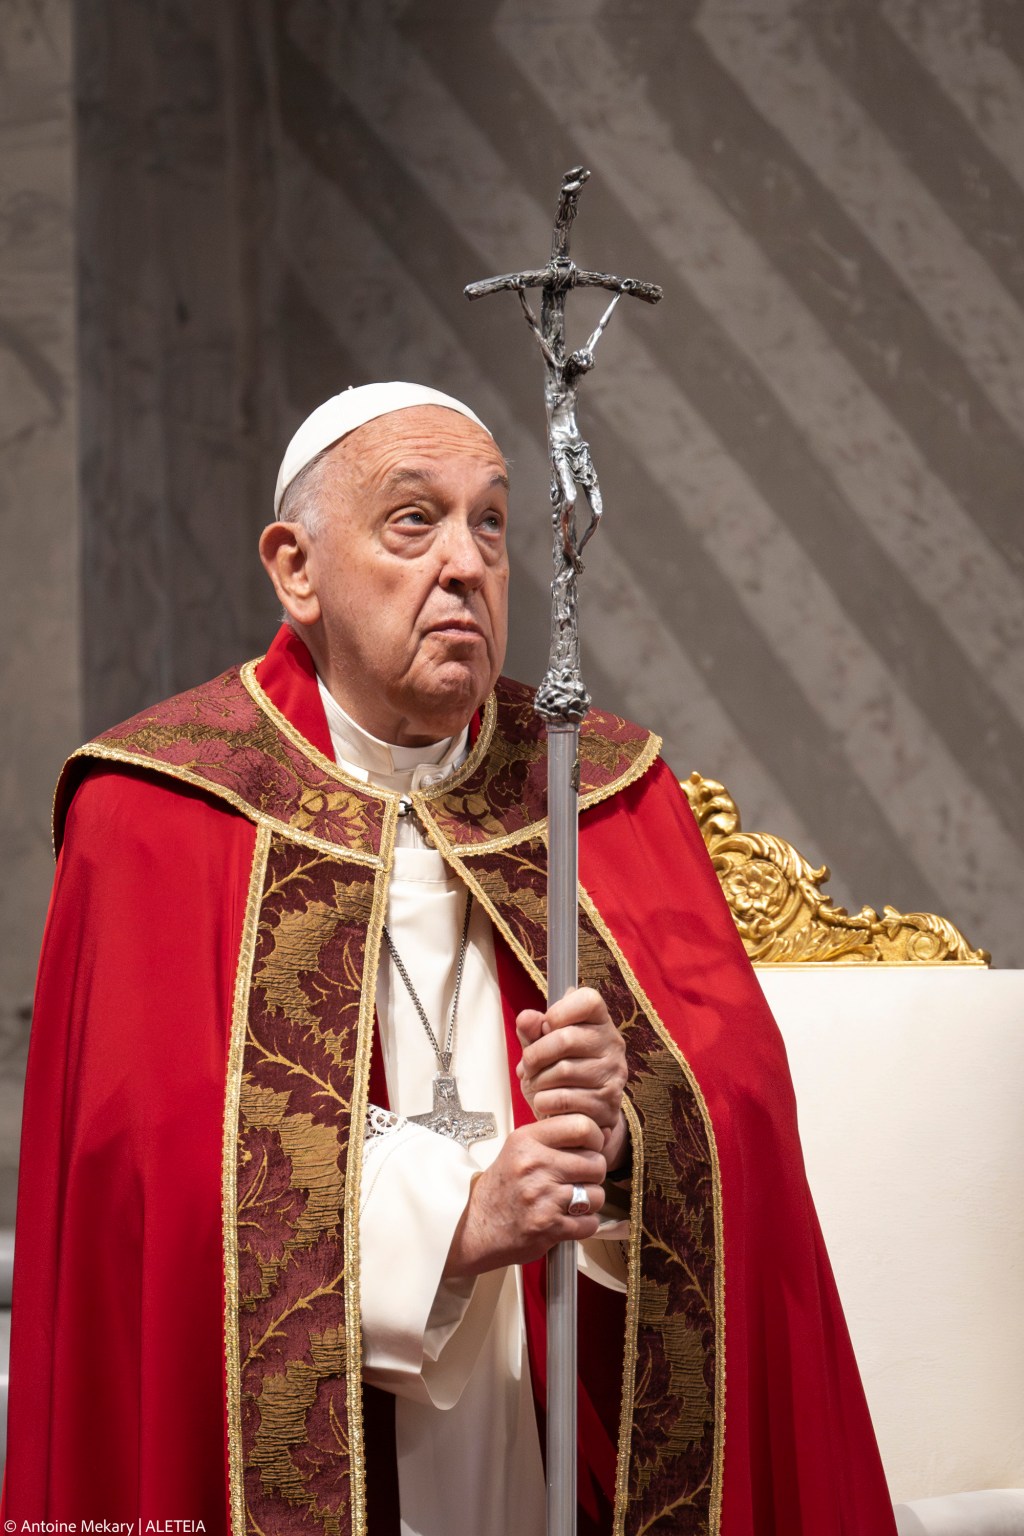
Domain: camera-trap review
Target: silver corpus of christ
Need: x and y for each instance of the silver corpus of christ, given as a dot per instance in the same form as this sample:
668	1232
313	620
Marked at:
562	702
448	1118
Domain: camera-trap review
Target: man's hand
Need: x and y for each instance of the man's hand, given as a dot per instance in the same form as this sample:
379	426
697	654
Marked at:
518	1207
574	1063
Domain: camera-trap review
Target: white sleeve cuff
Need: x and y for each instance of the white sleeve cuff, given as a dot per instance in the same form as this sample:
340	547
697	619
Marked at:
603	1257
421	1333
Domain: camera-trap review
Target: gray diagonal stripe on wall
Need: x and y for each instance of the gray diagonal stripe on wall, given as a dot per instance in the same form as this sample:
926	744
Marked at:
936	140
960	45
351	152
814	564
490	77
920	652
865	314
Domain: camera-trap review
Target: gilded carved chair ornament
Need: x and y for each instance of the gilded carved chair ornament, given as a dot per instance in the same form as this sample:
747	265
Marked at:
783	915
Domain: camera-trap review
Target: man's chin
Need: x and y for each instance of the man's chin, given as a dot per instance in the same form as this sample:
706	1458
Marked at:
444	703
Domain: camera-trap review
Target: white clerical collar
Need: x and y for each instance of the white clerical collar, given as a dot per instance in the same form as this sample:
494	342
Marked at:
385	763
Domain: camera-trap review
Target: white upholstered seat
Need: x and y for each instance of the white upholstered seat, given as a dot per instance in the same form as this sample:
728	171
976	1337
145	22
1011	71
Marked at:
907	1054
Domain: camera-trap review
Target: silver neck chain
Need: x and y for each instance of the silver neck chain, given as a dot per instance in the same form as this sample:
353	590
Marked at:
444	1057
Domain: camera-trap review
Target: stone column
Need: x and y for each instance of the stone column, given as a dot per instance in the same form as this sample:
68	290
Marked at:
40	679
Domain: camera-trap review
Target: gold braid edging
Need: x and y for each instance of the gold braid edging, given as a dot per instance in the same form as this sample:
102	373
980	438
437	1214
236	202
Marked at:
354	1174
329	766
229	1176
647	1007
487	893
629	1351
270	824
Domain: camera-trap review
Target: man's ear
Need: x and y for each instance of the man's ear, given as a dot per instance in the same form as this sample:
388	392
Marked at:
284	550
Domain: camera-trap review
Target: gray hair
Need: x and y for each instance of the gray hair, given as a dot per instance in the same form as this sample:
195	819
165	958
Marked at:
303	501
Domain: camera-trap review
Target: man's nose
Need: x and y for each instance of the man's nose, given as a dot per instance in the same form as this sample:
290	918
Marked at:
462	561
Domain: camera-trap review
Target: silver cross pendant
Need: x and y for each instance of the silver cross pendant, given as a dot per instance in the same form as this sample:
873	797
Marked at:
448	1118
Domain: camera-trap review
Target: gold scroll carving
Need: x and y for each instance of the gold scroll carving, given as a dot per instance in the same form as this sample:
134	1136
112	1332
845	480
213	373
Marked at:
784	916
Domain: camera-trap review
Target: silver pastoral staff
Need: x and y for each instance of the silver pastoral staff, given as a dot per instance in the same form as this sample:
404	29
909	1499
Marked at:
562	701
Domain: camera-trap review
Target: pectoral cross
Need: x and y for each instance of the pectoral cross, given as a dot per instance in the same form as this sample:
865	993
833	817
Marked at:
448	1118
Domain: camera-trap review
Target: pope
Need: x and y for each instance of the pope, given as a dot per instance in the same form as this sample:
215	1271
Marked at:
299	1128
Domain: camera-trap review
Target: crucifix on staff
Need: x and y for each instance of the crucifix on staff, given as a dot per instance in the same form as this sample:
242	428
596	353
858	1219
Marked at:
562	701
562	695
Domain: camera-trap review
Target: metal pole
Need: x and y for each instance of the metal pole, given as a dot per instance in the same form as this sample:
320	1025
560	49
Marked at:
563	965
562	702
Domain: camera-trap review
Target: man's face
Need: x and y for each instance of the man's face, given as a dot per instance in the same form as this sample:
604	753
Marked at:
410	569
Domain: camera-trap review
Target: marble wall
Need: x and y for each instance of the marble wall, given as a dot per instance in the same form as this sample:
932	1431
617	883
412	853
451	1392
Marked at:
40	679
811	577
180	422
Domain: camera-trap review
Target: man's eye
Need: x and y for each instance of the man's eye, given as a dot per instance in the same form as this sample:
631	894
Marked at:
414	516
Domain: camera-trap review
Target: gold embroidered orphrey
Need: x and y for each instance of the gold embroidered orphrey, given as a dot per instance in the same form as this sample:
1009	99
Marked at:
297	1084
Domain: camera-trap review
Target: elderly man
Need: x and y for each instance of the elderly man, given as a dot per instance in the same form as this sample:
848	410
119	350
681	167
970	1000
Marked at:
298	1125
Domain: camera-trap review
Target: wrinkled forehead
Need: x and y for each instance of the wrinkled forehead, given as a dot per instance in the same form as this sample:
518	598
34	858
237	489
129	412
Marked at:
428	436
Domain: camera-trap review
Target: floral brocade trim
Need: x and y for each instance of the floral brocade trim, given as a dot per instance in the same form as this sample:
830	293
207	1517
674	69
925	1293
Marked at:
217	738
671	1443
629	1350
335	770
504	802
353	1181
100	752
229	1178
589	908
298	1082
228	739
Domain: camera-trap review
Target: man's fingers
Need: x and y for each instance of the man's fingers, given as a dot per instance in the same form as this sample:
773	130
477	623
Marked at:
580	1006
575	1168
575	1229
529	1026
604	1072
572	1101
566	1131
518	1208
566	1149
583	1072
573	1043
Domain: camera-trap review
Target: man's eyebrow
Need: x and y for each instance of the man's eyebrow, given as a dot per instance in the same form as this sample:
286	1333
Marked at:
409	477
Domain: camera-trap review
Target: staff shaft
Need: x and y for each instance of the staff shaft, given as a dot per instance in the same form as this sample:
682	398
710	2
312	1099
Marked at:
562	702
563	968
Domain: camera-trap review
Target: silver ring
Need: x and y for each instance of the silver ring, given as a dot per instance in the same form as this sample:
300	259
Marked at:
579	1205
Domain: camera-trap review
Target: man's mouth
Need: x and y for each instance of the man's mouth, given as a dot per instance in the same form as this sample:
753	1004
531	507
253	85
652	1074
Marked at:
468	627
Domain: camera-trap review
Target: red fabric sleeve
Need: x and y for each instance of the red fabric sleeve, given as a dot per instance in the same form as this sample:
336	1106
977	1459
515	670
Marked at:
117	1376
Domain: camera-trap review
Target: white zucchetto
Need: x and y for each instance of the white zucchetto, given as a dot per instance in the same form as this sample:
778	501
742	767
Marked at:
340	415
